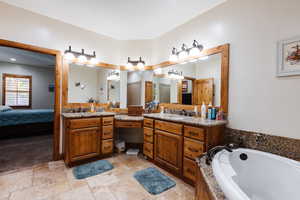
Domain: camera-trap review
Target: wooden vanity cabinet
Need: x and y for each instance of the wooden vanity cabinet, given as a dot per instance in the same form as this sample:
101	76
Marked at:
87	138
174	146
148	138
168	150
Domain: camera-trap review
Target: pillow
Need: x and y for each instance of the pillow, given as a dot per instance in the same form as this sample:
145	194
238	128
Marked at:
5	108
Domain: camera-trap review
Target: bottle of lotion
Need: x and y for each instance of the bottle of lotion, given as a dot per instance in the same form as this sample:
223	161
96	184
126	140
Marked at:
203	111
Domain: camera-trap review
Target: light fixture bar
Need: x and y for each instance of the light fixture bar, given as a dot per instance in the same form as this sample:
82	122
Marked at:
195	50
140	64
76	53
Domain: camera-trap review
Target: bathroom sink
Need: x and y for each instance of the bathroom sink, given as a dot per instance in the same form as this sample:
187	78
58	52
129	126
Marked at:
173	116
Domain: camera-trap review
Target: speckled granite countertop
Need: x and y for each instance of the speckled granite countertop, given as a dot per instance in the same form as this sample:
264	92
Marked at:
87	114
129	118
186	119
210	180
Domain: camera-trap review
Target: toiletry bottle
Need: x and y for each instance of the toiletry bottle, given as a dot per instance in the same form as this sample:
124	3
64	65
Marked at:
92	107
209	111
162	110
213	113
203	111
220	115
196	110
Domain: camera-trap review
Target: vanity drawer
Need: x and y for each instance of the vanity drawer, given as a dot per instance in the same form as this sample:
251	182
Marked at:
107	121
148	131
148	135
107	132
128	124
194	132
189	169
107	146
193	148
148	122
84	123
169	127
148	150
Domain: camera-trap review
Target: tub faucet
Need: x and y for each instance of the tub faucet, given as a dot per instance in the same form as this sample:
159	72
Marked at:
213	151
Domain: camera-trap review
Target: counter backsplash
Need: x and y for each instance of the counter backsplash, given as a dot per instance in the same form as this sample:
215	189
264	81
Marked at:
283	146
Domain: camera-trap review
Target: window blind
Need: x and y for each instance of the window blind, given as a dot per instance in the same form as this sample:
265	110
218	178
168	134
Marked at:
17	91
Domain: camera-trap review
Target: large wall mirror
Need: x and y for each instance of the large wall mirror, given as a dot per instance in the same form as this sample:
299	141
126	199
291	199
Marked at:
84	84
199	82
194	81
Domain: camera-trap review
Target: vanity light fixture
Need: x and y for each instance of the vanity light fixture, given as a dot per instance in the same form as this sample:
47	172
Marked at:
113	76
82	57
174	74
185	52
139	63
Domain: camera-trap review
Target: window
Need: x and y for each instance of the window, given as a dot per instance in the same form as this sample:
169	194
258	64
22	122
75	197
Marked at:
17	91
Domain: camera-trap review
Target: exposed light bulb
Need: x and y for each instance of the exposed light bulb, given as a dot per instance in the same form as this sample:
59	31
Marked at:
13	59
93	61
69	56
183	55
173	58
140	66
82	59
195	51
129	66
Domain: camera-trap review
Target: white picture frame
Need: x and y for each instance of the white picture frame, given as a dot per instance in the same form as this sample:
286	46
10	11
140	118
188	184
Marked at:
288	54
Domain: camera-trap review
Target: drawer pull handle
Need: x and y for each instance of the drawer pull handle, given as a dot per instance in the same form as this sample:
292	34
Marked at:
190	171
193	133
193	150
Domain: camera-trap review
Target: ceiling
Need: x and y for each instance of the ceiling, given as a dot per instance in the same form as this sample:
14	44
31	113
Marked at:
26	57
121	19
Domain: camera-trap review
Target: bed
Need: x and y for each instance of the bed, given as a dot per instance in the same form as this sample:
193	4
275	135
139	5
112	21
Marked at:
26	122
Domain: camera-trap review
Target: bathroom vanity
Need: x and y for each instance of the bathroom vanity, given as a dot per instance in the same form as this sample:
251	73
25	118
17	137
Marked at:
173	141
87	136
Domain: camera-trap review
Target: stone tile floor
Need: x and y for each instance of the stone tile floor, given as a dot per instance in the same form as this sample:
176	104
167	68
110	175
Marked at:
54	181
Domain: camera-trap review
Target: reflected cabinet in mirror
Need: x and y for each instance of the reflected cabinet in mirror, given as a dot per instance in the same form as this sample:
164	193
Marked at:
195	81
92	85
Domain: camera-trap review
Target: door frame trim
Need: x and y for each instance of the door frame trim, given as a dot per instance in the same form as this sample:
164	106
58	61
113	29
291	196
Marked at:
57	92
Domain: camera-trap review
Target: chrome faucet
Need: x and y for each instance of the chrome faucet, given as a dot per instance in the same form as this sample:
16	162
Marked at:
213	151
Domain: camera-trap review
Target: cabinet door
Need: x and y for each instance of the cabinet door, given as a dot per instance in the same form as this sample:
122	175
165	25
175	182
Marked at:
84	143
168	150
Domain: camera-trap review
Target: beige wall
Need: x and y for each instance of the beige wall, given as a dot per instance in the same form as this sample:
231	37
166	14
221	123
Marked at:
23	26
258	100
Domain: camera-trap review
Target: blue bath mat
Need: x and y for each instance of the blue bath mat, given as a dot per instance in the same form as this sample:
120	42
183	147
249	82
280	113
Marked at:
92	169
153	180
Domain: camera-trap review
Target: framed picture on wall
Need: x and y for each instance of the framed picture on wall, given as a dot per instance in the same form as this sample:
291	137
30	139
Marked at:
289	57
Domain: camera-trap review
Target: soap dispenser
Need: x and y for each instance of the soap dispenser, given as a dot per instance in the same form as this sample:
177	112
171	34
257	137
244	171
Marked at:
203	111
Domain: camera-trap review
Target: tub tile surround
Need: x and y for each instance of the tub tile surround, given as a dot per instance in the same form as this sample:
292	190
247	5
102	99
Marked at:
211	182
283	146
